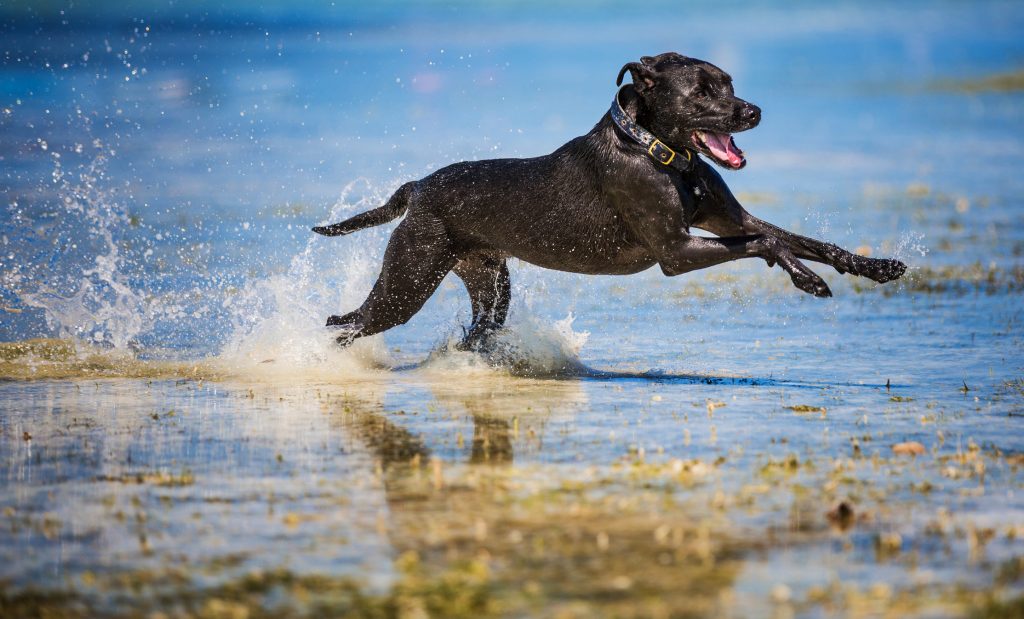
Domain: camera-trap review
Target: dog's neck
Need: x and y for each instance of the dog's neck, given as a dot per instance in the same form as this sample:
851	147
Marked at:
626	114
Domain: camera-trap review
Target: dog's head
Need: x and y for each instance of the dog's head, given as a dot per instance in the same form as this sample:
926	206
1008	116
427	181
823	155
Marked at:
690	103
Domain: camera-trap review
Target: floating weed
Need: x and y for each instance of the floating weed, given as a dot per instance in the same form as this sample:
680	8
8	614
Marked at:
1012	387
713	405
956	280
785	467
159	478
805	408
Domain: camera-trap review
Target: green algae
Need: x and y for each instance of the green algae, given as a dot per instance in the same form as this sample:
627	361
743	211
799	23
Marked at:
156	478
974	278
48	359
806	408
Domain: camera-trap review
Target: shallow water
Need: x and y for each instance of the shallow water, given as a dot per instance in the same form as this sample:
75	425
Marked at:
179	434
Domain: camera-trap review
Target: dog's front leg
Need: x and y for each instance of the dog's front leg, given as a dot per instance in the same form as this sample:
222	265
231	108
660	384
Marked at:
879	270
697	252
659	223
723	215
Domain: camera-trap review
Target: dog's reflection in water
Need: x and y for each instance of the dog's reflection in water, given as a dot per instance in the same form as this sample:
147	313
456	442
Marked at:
476	521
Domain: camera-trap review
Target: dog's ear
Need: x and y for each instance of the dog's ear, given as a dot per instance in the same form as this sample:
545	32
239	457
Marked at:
642	75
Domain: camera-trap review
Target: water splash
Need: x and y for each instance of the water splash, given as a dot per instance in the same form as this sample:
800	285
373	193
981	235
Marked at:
526	346
279	320
96	303
88	267
910	244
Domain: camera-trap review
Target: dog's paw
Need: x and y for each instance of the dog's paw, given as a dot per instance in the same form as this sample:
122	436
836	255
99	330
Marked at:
479	338
346	338
326	230
881	270
809	282
347	327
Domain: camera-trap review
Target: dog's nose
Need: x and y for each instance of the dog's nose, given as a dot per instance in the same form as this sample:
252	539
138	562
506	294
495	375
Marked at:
751	113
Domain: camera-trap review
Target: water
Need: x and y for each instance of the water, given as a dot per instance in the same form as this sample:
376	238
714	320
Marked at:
180	434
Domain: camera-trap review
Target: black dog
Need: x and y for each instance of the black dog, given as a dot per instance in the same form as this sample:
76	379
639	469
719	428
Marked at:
617	200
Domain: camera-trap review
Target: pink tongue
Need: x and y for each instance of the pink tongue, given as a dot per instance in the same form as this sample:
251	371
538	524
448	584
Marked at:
722	146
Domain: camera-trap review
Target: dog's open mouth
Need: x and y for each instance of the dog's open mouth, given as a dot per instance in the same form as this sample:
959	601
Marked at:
720	147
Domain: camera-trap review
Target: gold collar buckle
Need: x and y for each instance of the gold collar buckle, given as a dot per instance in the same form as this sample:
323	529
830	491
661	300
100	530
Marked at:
664	154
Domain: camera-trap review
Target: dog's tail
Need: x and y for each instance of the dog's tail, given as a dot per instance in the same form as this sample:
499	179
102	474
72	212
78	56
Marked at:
395	207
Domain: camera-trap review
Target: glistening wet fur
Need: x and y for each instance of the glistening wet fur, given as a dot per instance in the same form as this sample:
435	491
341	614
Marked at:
600	204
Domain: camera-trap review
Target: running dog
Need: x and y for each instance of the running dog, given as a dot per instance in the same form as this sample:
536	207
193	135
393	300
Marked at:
617	200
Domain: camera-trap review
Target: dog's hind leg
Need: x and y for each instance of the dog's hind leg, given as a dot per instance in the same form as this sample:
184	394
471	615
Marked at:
490	290
418	257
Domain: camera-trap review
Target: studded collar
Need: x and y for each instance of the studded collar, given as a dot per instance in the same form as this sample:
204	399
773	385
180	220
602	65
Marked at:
659	151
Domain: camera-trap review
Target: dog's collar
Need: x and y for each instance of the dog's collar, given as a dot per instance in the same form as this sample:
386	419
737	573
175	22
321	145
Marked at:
658	150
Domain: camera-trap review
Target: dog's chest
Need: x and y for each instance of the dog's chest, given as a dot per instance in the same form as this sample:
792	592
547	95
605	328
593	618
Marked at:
691	195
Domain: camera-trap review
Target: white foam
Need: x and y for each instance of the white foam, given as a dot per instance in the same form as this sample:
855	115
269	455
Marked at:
527	346
103	308
279	320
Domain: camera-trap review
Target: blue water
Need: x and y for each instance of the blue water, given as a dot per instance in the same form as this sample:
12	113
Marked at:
225	135
161	163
